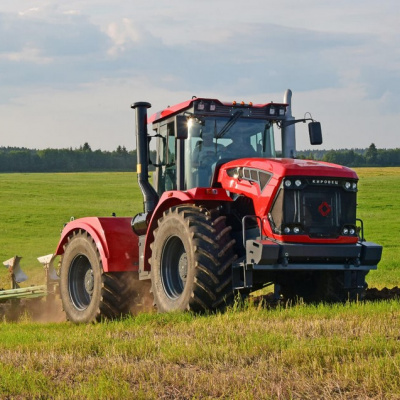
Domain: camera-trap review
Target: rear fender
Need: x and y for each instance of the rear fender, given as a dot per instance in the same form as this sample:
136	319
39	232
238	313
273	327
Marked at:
117	244
174	198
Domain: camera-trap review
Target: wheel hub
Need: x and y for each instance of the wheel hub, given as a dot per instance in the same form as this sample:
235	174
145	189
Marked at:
89	281
174	267
183	267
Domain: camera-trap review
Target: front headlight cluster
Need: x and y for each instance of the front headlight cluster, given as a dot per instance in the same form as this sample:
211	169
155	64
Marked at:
349	231
350	185
292	230
293	183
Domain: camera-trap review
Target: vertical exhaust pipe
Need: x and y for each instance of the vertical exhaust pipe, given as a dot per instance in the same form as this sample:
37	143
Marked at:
150	196
288	132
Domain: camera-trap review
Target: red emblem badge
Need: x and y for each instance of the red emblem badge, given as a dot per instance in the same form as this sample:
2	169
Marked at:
324	209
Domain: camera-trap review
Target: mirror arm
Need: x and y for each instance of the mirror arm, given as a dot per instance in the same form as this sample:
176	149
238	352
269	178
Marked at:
284	124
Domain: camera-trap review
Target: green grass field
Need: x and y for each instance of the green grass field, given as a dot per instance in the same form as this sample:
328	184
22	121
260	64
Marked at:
250	352
300	352
379	208
34	208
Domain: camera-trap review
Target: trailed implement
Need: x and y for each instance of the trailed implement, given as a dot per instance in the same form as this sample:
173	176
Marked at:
11	298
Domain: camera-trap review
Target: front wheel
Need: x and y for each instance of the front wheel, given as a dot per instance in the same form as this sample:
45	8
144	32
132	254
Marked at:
191	260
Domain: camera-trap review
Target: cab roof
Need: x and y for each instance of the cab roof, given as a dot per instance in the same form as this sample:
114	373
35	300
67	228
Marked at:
178	108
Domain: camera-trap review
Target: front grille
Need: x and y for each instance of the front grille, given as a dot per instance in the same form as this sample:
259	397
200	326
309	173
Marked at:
319	211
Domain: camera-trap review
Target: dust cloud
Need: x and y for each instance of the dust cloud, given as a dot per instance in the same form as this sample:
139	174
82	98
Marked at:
135	297
138	294
42	310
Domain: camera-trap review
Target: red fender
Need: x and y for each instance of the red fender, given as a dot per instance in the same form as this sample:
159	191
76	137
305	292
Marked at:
173	198
118	245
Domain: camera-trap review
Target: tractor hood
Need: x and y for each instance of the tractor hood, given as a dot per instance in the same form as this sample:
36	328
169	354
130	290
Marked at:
303	199
280	167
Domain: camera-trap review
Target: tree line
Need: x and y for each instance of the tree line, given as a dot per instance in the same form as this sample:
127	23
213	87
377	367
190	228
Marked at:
369	157
84	159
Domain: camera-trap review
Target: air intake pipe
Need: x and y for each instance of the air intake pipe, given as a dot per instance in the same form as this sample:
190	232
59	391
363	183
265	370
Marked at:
288	131
150	196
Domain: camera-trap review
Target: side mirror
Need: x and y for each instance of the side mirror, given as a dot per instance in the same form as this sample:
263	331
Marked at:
314	129
181	127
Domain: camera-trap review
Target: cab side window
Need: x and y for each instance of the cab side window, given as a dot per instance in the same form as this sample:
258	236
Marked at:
169	170
164	177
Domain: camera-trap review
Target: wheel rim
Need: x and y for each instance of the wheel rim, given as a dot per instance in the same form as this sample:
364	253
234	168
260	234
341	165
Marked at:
174	267
80	282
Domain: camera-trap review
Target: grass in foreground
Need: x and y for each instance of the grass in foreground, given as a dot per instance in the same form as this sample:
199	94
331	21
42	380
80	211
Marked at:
307	352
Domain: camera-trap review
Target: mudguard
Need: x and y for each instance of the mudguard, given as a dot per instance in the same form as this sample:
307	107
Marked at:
175	197
117	244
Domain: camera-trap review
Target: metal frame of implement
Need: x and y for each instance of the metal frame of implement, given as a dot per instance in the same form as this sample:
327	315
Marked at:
17	276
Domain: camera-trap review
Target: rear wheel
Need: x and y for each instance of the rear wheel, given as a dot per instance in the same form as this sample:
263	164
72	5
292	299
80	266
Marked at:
87	293
191	260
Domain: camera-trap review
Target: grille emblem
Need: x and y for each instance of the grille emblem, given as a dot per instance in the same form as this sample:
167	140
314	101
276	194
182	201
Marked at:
324	209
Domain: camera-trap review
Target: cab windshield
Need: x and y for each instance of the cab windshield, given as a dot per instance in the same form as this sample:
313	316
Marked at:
217	138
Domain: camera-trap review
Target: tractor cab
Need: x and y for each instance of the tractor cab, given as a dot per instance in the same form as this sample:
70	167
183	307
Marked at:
191	143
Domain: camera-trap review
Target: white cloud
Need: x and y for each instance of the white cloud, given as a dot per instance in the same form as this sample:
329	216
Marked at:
72	12
122	35
29	11
29	55
341	60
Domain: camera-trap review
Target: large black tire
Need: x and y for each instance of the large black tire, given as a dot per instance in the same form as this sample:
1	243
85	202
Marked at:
192	254
87	293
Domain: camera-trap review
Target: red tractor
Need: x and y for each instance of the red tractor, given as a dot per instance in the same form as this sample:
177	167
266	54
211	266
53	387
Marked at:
223	215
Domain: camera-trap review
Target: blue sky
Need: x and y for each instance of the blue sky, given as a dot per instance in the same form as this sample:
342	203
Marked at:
69	70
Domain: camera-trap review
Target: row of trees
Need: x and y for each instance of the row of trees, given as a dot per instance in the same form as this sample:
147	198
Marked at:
370	157
14	159
84	159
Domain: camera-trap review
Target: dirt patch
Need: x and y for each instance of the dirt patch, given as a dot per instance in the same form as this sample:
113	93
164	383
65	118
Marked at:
137	294
372	294
383	294
49	309
44	310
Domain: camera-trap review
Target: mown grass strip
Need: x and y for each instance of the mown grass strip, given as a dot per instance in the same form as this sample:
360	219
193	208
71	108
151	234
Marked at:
322	351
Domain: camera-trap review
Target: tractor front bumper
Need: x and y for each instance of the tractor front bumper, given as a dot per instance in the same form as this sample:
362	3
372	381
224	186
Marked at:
266	255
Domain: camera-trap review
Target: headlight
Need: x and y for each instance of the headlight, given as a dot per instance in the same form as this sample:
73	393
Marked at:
286	230
288	183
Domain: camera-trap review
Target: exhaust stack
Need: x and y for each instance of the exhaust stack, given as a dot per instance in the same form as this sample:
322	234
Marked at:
150	196
288	132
